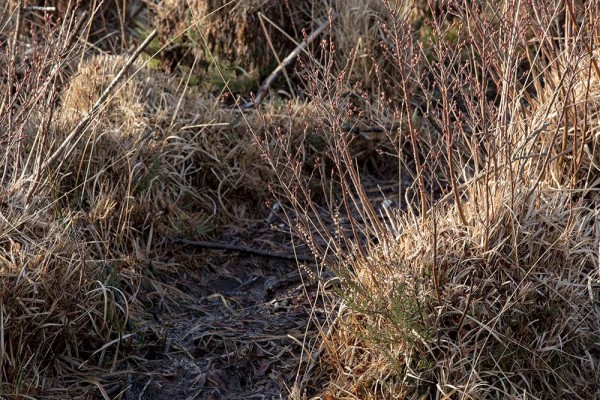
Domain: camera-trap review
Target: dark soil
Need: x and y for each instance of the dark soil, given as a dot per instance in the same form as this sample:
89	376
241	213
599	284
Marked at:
238	335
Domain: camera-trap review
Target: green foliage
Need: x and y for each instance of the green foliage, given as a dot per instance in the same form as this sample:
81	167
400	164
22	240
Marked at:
153	173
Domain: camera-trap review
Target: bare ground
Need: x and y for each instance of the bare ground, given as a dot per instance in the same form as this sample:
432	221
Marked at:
239	334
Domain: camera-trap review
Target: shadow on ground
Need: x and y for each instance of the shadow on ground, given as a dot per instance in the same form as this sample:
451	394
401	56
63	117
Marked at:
239	334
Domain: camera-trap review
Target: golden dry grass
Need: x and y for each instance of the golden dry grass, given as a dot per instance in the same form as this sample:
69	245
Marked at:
159	160
516	309
490	293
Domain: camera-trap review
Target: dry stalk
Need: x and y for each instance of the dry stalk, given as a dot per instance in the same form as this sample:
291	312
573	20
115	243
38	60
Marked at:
69	143
268	82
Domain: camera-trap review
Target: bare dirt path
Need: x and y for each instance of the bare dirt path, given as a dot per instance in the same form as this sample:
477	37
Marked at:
238	334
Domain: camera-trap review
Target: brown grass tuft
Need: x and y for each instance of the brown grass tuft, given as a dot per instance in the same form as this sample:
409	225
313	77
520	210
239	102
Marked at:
486	286
59	310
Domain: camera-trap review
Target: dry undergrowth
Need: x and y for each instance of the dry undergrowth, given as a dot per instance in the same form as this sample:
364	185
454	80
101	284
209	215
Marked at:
235	43
484	285
491	289
78	232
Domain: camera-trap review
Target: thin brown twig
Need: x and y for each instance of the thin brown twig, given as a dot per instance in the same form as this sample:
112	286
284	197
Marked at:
370	129
469	299
78	25
7	98
569	8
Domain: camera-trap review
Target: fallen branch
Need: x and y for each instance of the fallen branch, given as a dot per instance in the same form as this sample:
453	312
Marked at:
267	83
243	249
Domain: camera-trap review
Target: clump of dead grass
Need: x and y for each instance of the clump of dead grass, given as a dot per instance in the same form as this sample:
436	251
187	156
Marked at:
158	160
477	311
487	285
60	310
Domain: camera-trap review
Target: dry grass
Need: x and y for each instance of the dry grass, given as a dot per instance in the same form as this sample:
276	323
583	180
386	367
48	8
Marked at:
486	287
479	126
62	313
176	163
235	43
158	160
516	311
